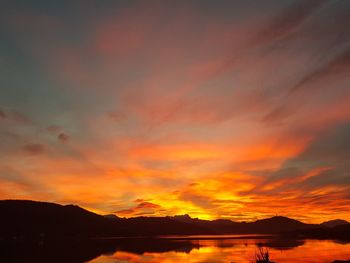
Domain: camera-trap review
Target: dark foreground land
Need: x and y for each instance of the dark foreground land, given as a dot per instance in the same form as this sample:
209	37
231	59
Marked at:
21	218
35	231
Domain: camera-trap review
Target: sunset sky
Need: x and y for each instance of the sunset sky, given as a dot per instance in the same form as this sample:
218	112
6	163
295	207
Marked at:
216	109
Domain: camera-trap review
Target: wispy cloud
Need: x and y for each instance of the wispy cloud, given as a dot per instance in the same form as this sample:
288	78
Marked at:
229	109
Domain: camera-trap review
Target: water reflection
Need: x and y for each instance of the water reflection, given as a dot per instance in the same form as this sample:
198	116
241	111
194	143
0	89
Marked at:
174	249
226	250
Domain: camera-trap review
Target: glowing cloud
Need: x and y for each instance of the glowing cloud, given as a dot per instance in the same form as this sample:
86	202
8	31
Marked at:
217	109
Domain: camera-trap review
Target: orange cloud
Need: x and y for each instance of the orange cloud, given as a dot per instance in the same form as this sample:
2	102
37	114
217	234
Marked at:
216	112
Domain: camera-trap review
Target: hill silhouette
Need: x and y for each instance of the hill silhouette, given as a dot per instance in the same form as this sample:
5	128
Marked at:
333	223
31	219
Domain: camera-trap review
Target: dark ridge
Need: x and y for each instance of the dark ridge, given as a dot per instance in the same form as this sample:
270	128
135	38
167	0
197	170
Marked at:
31	218
278	224
333	223
36	220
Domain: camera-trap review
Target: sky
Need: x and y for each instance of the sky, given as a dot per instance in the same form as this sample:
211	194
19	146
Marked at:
216	109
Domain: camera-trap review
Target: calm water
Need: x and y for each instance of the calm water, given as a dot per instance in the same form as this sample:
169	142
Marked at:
227	249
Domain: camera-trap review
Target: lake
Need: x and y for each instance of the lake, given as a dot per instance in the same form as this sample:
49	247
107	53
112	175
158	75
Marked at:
210	249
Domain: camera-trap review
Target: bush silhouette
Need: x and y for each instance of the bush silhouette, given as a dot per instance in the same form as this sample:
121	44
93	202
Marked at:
262	256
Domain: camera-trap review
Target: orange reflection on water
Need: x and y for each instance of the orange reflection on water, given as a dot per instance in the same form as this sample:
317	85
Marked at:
239	250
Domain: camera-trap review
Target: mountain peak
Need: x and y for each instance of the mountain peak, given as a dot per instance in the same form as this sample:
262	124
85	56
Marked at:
335	222
111	216
183	216
278	219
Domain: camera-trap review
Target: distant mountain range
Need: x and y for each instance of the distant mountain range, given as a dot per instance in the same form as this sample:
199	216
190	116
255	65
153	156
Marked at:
22	219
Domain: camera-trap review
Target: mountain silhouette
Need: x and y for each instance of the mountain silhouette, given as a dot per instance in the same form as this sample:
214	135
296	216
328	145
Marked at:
32	219
333	223
23	217
278	224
